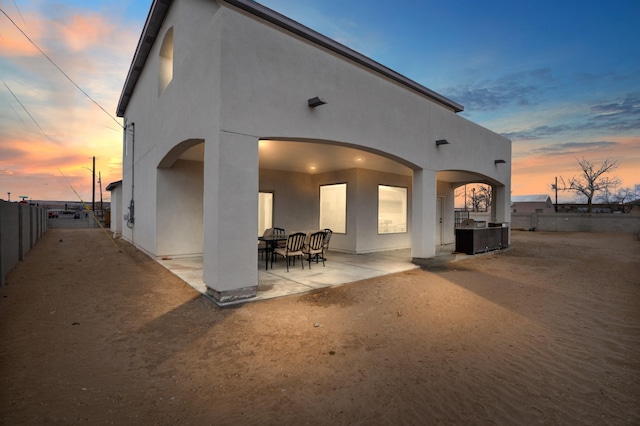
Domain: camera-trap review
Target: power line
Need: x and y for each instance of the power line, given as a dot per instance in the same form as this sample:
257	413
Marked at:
60	69
16	113
19	13
27	111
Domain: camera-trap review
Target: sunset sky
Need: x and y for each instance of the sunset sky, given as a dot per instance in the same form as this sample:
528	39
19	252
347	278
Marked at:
561	79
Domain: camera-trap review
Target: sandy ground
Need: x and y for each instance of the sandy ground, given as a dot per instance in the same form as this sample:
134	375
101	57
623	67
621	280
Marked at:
546	333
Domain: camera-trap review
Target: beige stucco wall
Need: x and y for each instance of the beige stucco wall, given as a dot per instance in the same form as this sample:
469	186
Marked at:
296	206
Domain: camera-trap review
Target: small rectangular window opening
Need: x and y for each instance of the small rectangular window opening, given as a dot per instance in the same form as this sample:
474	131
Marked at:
333	207
392	209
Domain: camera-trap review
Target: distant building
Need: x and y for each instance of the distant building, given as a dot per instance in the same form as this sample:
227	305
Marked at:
115	220
531	204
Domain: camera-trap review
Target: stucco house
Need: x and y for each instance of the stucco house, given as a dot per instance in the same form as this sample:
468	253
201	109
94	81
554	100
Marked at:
531	204
237	117
115	225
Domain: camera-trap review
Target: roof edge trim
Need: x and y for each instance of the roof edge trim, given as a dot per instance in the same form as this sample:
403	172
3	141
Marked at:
157	13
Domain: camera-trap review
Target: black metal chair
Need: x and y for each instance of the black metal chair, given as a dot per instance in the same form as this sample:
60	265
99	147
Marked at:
262	246
314	249
293	249
325	243
279	232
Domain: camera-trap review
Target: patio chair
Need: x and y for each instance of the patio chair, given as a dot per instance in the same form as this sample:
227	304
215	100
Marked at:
262	246
293	249
280	232
314	249
327	237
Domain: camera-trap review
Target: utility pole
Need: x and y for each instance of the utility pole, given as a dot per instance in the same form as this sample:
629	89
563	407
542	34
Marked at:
100	183
465	197
556	188
473	199
93	198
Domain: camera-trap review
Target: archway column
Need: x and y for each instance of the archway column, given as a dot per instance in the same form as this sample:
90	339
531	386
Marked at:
230	217
423	240
501	206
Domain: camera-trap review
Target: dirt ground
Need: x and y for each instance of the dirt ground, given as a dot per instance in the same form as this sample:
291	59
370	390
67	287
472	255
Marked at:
548	332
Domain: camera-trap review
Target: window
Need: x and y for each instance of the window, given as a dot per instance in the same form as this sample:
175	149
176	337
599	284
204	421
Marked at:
166	61
265	211
392	210
333	207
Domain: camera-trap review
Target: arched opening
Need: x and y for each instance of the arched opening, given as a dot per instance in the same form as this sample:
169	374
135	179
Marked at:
467	195
180	197
299	173
165	74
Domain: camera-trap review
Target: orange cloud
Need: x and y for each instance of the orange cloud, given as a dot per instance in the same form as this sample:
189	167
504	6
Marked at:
18	46
82	31
14	43
96	52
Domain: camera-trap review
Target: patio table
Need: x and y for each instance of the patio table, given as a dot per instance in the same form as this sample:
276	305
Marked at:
271	241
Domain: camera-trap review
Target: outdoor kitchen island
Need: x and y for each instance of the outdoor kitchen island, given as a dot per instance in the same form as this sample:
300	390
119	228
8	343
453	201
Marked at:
473	236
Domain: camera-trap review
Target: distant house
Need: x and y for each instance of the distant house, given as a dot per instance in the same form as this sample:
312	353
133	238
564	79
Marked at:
238	118
531	204
116	207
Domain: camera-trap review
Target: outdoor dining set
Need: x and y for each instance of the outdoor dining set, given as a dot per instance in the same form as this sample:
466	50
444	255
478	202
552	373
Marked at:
311	246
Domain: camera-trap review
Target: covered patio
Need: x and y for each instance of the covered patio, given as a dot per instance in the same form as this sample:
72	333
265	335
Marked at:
341	268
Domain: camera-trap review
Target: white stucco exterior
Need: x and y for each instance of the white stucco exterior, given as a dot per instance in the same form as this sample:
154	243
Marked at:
116	207
191	160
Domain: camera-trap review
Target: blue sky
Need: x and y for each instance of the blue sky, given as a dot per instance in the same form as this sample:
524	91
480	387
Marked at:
559	78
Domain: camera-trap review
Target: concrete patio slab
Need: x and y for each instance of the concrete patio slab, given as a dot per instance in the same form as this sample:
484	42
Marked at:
340	268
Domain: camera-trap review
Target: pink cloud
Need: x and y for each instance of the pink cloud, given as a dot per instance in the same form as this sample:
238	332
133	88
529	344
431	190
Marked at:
14	43
80	32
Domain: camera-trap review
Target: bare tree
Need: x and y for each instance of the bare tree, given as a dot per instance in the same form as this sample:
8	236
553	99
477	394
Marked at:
624	195
475	200
592	180
486	195
480	197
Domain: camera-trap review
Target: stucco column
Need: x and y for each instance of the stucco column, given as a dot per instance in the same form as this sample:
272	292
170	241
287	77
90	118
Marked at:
500	205
423	240
230	217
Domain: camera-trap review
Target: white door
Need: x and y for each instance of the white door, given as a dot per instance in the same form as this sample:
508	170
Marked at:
438	221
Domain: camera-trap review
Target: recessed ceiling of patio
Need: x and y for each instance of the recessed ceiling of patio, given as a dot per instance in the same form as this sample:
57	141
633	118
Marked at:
312	157
462	177
316	157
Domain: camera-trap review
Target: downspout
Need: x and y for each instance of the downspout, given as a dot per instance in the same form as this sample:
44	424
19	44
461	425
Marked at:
131	215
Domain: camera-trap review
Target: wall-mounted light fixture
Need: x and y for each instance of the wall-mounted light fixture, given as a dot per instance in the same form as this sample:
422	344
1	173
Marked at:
442	142
499	162
315	102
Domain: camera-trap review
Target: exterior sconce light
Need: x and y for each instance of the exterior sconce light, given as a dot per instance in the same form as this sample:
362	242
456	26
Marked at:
500	162
442	142
315	102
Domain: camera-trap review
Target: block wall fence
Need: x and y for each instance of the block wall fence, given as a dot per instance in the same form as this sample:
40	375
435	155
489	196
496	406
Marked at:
569	222
576	222
21	226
